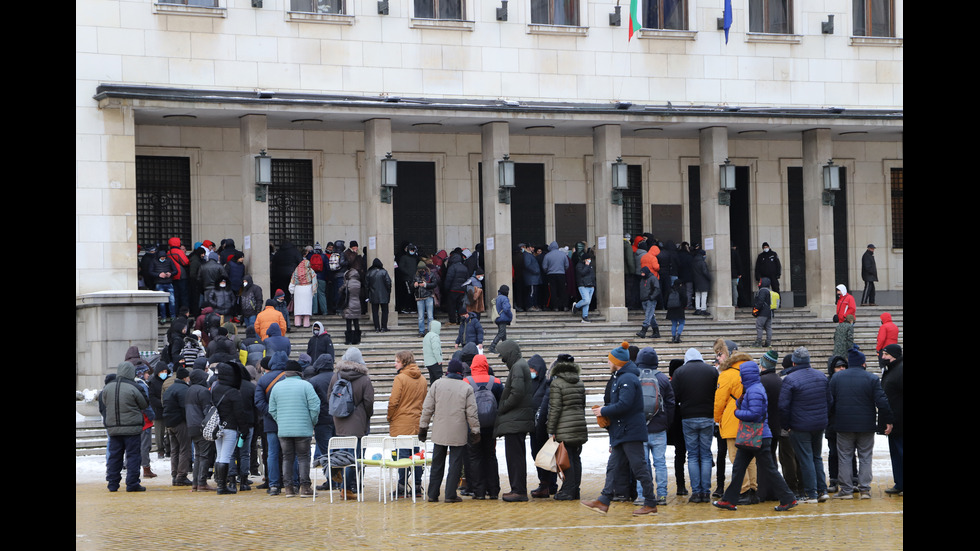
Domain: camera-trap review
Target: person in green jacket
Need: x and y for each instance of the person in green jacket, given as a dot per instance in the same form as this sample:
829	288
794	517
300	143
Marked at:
566	420
432	351
515	418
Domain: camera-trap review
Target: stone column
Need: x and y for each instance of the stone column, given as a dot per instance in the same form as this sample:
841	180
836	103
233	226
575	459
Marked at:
713	142
495	142
105	202
818	224
609	264
377	218
255	214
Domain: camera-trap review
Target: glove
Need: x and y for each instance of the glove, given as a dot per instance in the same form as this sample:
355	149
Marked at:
423	432
474	438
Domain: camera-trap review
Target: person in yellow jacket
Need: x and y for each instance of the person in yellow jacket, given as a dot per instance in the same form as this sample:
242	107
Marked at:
728	392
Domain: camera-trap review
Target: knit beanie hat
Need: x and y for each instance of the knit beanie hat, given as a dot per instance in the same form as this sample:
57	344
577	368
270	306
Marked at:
280	293
788	361
620	355
353	355
182	373
769	360
504	290
894	350
801	355
855	358
455	366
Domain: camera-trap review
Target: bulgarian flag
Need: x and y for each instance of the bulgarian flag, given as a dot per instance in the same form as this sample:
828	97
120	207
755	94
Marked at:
634	22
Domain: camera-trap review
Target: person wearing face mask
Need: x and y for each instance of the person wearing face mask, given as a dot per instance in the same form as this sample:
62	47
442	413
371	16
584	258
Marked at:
585	281
222	298
155	385
767	265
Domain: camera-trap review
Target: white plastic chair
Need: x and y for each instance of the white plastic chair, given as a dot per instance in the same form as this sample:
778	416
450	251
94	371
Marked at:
336	443
425	461
395	443
371	445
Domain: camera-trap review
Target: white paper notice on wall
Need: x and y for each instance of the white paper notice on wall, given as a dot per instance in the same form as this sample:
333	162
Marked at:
709	243
811	244
248	242
602	242
372	243
489	243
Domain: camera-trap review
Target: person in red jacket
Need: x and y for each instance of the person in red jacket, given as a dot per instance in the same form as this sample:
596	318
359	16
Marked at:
845	304
887	334
179	258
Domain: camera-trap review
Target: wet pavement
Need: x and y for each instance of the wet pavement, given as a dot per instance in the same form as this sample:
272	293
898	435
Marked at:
166	517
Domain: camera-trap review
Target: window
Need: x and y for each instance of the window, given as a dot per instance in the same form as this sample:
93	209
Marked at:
554	12
200	3
633	201
317	6
439	9
163	199
874	18
665	14
291	201
771	16
898	208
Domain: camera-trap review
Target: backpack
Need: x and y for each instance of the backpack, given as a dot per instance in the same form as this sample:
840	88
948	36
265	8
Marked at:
341	399
316	261
773	299
486	404
211	425
653	402
334	262
674	299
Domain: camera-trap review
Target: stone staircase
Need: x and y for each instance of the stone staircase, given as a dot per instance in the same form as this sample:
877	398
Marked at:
551	333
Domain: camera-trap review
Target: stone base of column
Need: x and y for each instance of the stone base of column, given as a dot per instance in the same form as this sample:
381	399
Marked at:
723	313
617	314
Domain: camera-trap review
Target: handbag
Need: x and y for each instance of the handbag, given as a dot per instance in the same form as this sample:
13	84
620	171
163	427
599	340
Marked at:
546	456
749	435
563	461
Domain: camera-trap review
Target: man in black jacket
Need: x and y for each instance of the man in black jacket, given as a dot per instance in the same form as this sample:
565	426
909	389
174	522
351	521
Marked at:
694	385
196	401
175	417
869	274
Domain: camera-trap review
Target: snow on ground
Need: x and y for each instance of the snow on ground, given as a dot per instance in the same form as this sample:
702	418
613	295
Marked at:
594	455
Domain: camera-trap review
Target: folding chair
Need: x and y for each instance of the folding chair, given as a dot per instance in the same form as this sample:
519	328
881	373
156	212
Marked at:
396	443
371	445
425	461
335	443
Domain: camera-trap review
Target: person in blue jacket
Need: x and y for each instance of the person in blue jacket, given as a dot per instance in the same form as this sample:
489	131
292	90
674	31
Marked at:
504	316
753	407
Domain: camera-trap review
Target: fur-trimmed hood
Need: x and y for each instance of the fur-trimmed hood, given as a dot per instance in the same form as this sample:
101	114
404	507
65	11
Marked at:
736	358
351	370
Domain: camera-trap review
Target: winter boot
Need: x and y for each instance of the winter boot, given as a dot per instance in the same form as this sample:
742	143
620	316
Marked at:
642	332
232	484
347	336
243	485
147	473
356	336
221	478
656	333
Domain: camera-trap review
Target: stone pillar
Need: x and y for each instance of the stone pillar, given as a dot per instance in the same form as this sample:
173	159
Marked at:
255	214
818	225
377	219
498	262
106	324
713	142
105	203
609	264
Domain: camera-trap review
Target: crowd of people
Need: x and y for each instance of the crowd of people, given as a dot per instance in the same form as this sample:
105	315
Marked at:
274	409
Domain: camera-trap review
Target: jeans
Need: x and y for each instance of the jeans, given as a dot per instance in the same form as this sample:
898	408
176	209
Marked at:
656	448
225	444
424	307
676	328
119	447
168	288
273	465
698	432
322	434
406	453
586	294
296	457
243	456
649	309
808	446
